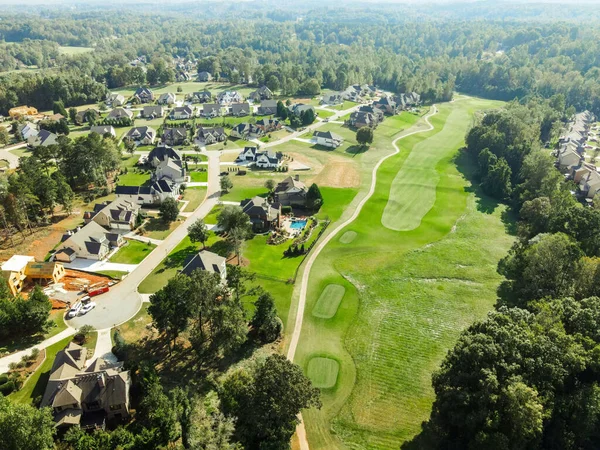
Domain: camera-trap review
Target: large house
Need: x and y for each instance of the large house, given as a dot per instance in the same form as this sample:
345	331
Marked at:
388	105
229	97
263	215
240	109
80	116
142	135
269	125
590	184
407	100
154	194
103	129
246	131
335	98
359	119
298	108
374	110
263	160
204	76
168	98
328	139
207	136
167	163
153	111
89	242
120	214
291	192
200	97
20	268
115	99
262	93
44	138
247	155
182	112
207	261
267	108
144	95
569	156
174	136
29	131
210	111
118	114
86	397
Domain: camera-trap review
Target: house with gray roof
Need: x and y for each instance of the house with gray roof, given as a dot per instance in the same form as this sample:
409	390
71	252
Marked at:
142	135
182	112
229	97
86	397
153	111
246	131
175	136
240	109
119	113
208	136
200	97
115	99
291	192
298	108
262	93
120	214
103	129
144	95
154	194
263	215
168	98
211	110
328	139
205	261
204	76
89	242
267	108
44	138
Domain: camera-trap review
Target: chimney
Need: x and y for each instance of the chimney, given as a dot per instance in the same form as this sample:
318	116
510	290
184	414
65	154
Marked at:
297	177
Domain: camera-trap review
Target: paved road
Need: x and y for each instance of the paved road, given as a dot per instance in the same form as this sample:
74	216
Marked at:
123	301
11	158
301	432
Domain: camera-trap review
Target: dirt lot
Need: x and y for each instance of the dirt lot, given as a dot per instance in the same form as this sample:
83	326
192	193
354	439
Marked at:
336	172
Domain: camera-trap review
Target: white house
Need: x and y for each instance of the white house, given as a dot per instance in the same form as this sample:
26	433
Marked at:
142	135
182	112
168	98
115	99
247	155
30	130
328	139
268	160
590	184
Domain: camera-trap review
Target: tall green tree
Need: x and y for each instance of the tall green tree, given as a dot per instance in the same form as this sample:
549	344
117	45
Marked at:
24	427
198	232
169	210
364	136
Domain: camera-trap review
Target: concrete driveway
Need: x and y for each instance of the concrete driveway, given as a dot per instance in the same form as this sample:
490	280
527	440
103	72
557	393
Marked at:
11	158
123	301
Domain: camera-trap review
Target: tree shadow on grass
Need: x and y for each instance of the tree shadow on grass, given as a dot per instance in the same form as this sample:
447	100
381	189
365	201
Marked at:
485	203
357	149
155	224
178	258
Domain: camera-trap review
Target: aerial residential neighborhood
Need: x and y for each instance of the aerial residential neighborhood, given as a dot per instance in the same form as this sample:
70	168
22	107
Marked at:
277	225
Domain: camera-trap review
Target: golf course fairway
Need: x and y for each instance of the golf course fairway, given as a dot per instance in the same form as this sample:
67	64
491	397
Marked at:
415	267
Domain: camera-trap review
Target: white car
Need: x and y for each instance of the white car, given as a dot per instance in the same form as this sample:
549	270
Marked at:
74	311
87	308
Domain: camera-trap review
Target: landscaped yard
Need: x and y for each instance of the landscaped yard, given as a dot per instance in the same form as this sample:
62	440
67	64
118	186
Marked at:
323	114
195	196
406	294
134	178
157	229
133	252
199	176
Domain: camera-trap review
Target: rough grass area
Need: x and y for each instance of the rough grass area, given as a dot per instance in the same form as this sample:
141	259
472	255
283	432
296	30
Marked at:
347	237
329	301
157	229
323	372
195	196
132	253
408	293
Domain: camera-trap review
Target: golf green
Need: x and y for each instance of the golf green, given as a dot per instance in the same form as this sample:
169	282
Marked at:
323	372
329	301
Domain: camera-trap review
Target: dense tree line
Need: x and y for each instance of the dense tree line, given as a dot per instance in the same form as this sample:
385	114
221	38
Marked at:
23	317
527	376
501	60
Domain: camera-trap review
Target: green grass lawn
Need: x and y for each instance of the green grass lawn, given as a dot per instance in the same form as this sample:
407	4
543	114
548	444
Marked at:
134	178
195	196
157	229
323	114
116	274
408	294
132	253
199	176
34	387
25	151
68	50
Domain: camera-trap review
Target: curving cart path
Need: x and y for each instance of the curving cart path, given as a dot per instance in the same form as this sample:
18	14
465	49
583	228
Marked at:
300	430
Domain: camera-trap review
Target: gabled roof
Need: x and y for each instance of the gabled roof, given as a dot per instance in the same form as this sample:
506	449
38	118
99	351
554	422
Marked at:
68	362
237	108
209	108
261	208
102	129
271	156
290	183
328	135
69	394
182	110
118	113
162	152
175	133
139	133
204	260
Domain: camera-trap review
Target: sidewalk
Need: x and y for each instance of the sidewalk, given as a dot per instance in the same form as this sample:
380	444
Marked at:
88	265
16	357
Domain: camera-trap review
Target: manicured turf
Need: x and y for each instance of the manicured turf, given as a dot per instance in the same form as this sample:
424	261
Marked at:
199	176
132	253
323	114
323	372
408	293
116	274
329	301
134	178
157	229
413	190
347	237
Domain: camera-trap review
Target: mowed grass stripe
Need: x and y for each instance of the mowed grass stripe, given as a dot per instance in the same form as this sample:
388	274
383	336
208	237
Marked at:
329	301
408	296
413	191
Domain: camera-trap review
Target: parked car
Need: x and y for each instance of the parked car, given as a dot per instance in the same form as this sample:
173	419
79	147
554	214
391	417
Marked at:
74	311
87	308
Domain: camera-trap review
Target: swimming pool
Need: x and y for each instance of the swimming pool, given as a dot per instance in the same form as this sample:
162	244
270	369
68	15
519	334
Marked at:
297	224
